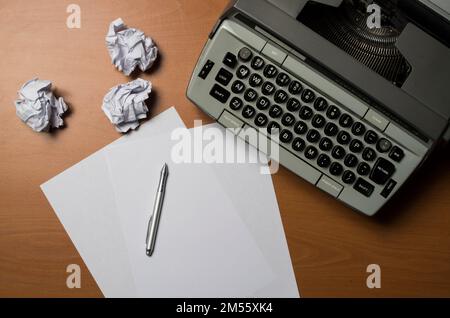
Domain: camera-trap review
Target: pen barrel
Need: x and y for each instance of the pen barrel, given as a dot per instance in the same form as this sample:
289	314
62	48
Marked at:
162	183
157	207
154	221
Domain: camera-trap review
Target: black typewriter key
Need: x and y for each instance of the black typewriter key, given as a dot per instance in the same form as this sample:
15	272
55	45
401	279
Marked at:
356	146
336	169
224	77
331	130
293	105
243	72
288	119
261	120
390	186
245	54
298	144
343	138
250	95
270	71
257	63
348	177
295	88
382	171
206	69
311	152
313	136
364	187
275	111
371	137
346	121
248	112
255	80
268	88
318	121
237	87
220	93
384	145
308	96
286	136
323	161
369	154
280	96
273	128
236	103
283	79
230	60
325	144
320	104
338	152
300	128
306	113
363	169
396	154
351	160
358	129
333	112
263	103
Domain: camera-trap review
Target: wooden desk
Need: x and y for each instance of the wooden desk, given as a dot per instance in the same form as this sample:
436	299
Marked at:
330	245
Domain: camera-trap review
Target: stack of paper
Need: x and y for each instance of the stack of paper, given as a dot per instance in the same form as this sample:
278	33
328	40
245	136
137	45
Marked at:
220	233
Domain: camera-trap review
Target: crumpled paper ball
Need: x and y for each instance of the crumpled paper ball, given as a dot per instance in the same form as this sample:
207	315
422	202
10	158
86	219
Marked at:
124	105
38	107
130	48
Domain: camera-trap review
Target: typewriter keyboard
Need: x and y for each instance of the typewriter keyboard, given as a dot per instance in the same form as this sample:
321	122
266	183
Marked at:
328	137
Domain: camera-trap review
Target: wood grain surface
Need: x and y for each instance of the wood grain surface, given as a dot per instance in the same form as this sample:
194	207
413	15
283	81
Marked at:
330	245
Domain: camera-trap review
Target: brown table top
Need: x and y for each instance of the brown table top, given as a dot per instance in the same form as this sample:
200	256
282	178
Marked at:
330	245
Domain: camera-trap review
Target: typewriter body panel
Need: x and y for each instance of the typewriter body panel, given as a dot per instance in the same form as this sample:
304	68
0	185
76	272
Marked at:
345	124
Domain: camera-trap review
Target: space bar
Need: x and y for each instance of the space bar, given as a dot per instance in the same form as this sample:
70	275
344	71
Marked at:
291	162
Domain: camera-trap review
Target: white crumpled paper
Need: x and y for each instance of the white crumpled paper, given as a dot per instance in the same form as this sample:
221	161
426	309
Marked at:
38	107
130	48
124	105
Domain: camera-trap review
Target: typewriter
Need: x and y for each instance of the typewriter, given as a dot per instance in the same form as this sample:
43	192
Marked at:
357	108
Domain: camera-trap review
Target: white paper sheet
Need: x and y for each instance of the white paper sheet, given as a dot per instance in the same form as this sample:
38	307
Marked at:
253	196
83	200
203	249
114	275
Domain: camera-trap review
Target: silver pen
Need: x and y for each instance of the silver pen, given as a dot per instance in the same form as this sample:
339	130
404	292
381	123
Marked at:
157	207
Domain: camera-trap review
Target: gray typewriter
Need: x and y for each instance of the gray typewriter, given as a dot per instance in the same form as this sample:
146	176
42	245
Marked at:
358	107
